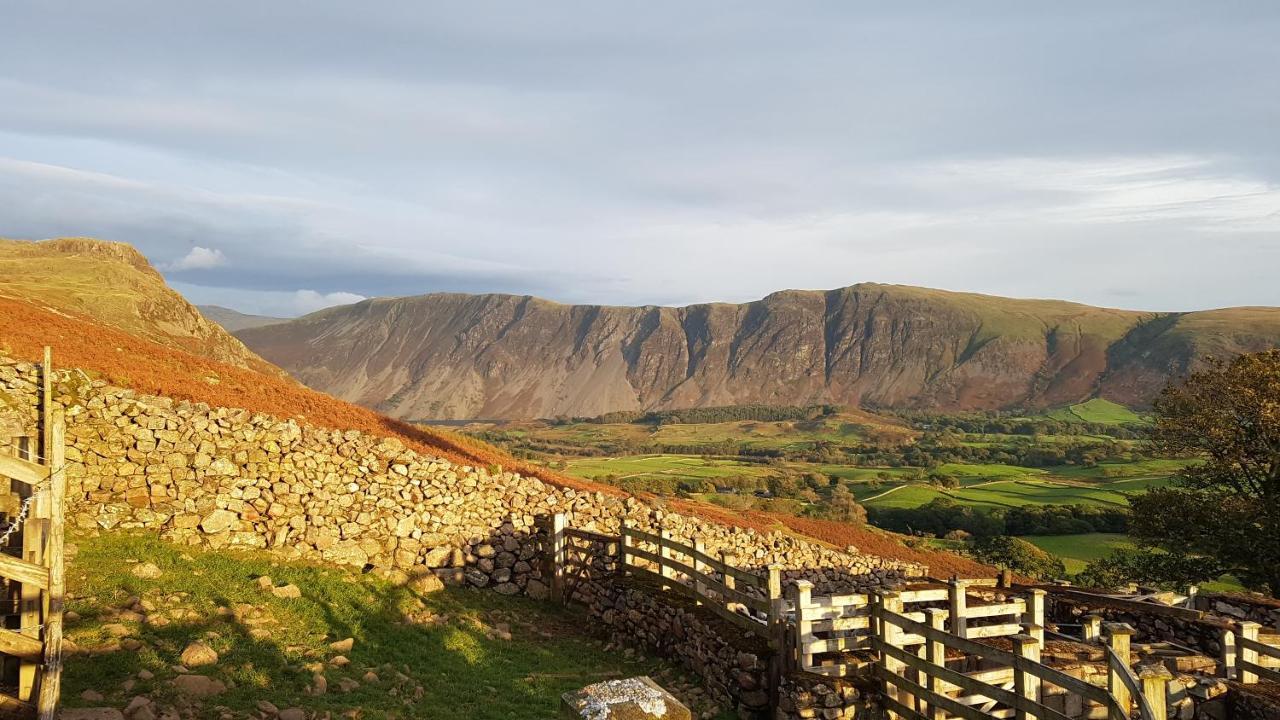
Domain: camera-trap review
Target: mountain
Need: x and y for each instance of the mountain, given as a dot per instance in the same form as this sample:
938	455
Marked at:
233	320
112	284
448	356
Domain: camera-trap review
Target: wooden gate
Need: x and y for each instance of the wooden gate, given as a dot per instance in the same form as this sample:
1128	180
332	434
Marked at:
31	562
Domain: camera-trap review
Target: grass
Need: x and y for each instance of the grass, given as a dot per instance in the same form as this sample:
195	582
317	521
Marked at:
1077	551
444	655
679	467
1097	410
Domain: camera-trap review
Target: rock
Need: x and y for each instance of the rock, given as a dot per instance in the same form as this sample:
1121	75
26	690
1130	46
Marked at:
637	698
199	686
287	592
342	646
265	582
139	708
268	707
91	696
219	521
146	571
319	684
293	714
438	557
346	685
198	654
426	583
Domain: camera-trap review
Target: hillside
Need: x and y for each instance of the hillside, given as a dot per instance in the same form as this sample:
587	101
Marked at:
447	356
232	320
114	285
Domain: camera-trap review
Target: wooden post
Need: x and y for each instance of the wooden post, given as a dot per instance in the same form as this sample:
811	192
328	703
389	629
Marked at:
1024	683
801	597
699	588
1248	631
1120	635
51	680
556	556
625	531
1033	618
777	634
936	654
1155	688
1228	654
891	634
959	607
1006	579
664	552
729	580
1091	628
32	600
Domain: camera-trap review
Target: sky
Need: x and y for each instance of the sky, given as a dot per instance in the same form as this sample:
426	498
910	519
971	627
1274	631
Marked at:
279	157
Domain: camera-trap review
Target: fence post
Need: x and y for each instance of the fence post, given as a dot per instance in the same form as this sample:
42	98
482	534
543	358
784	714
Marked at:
699	589
936	654
1228	654
1033	618
1119	635
1025	684
1091	628
1006	578
1155	688
801	596
890	634
625	532
1248	631
664	552
51	677
959	607
556	556
777	634
729	580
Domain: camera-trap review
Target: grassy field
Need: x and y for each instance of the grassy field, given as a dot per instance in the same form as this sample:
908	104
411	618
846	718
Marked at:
1097	410
1077	551
456	654
680	467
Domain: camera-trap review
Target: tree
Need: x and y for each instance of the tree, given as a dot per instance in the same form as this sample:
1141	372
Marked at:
843	507
1018	555
1226	508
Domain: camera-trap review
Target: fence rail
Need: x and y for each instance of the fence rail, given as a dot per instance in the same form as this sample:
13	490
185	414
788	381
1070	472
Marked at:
930	642
31	646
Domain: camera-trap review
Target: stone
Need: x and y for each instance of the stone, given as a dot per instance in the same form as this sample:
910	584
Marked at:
438	557
198	654
219	521
638	698
293	714
91	696
342	646
287	592
199	686
425	583
146	571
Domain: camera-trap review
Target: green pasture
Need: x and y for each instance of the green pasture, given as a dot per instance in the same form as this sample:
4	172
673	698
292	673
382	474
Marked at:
1097	410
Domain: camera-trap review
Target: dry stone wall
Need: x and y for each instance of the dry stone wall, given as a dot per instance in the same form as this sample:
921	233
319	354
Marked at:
225	477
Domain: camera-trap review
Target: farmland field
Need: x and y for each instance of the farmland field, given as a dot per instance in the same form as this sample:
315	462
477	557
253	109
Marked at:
1077	551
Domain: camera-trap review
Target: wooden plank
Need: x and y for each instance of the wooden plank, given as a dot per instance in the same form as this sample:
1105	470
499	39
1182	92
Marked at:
19	645
51	679
1016	607
1259	647
23	471
929	595
917	690
825	645
987	631
1265	673
970	684
1044	672
590	536
23	571
13	707
733	594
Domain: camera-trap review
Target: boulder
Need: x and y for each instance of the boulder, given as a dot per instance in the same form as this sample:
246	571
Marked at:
197	654
637	698
146	571
199	686
219	521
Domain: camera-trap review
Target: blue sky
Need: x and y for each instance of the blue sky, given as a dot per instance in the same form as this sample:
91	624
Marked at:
279	157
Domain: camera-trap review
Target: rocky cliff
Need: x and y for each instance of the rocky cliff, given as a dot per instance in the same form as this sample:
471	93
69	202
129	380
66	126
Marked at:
503	356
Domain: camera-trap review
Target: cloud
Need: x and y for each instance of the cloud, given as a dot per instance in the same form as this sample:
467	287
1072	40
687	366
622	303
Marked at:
595	152
308	301
199	258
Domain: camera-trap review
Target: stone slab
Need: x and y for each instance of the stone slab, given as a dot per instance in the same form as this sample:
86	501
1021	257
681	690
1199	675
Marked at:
637	698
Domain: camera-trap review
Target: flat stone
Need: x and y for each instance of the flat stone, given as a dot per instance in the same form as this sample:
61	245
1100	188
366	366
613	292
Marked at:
637	698
146	571
198	654
219	521
198	685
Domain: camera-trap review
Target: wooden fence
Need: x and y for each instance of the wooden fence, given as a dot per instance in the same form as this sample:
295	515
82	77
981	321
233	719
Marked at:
1249	657
32	568
931	643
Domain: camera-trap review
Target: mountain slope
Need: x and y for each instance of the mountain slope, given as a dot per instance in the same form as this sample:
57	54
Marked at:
113	284
233	320
503	356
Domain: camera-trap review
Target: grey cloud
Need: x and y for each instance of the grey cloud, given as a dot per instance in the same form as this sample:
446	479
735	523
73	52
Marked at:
659	152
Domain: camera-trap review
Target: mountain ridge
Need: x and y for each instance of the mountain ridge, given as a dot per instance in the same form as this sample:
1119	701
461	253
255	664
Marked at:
455	355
